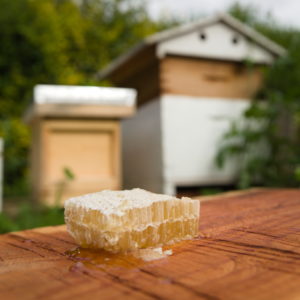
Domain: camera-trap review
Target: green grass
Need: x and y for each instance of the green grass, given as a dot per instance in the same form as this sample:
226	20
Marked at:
28	216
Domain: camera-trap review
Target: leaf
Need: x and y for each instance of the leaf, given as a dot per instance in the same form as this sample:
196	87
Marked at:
297	173
69	175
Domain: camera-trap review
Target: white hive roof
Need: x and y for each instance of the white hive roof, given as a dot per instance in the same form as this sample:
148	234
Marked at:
250	34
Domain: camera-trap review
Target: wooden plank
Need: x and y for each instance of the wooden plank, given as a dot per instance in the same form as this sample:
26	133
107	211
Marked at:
141	72
229	194
62	110
134	65
248	248
209	78
145	81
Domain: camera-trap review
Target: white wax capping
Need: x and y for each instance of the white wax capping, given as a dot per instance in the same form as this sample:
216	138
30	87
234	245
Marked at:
116	202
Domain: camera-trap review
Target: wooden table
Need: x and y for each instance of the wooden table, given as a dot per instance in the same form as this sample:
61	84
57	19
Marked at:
249	248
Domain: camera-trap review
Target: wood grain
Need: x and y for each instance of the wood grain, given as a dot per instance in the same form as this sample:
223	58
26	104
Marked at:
55	147
140	72
248	248
209	78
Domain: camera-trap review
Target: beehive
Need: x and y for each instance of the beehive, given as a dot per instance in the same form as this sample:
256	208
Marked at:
76	129
193	81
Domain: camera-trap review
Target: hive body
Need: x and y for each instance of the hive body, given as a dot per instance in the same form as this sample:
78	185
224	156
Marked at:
128	220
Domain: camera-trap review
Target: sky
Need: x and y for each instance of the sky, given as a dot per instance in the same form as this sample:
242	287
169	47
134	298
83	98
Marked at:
285	11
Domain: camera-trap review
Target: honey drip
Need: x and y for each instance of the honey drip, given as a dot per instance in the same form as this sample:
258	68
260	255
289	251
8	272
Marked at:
102	259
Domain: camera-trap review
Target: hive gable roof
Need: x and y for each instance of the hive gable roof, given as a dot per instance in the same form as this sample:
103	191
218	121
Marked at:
160	37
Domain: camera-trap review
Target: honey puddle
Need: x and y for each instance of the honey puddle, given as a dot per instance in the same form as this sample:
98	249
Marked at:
103	259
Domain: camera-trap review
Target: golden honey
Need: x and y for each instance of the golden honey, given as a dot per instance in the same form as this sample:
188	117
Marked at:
120	221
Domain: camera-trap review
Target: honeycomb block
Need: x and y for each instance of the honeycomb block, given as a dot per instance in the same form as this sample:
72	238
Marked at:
121	221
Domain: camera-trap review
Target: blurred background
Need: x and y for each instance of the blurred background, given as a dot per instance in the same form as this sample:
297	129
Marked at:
72	42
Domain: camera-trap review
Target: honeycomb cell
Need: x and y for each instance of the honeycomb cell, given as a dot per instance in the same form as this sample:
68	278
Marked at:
120	221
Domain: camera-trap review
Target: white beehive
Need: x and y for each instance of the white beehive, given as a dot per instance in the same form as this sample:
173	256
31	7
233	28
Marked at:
191	81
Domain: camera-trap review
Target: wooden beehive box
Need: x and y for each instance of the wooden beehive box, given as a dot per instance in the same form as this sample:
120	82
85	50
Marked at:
192	82
76	130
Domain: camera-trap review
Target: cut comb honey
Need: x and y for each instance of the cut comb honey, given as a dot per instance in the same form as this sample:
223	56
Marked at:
120	221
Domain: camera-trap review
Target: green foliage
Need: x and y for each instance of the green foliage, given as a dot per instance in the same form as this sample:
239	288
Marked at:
30	217
68	177
266	142
57	42
68	173
16	143
7	224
